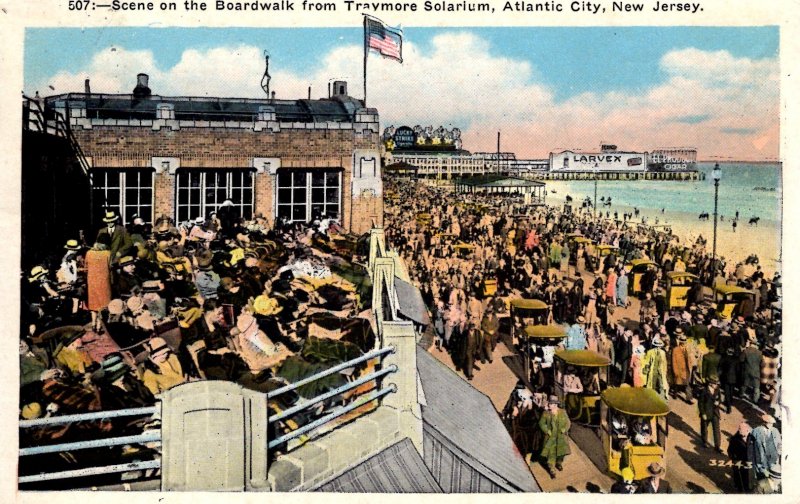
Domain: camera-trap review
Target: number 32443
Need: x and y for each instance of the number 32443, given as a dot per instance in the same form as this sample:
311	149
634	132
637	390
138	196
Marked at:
730	463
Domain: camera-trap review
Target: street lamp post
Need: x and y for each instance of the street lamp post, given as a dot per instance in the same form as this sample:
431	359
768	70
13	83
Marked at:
716	174
594	203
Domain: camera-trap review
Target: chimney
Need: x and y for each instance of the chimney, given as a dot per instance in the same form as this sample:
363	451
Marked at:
329	89
141	90
340	89
273	96
309	92
86	88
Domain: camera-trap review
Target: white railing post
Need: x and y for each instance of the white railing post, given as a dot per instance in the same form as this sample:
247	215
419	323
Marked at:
214	437
402	336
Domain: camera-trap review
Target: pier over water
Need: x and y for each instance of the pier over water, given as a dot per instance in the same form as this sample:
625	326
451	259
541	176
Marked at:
685	175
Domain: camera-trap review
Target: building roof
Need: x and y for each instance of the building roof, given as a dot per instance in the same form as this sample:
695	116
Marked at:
594	152
466	419
498	181
397	469
399	167
111	106
411	303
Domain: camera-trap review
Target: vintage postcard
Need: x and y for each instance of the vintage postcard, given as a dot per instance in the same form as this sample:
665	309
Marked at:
398	248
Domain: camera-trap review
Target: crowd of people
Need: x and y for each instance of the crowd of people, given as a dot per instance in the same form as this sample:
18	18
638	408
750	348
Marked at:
472	253
113	323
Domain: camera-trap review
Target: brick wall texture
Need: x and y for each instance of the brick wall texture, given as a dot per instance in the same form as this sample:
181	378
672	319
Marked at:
134	147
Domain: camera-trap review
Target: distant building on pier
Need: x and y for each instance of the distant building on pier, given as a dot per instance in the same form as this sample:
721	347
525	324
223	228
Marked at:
672	159
608	159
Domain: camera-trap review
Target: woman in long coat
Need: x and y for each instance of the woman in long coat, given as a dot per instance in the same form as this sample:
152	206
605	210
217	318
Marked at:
622	289
637	356
681	367
611	286
98	278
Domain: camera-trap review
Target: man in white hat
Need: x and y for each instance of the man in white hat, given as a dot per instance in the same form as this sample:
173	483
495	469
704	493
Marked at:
68	271
200	233
121	242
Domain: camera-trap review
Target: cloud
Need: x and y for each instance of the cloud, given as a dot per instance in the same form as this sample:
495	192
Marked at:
739	131
708	99
692	119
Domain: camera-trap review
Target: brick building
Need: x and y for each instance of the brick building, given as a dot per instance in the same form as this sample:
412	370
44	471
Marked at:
181	157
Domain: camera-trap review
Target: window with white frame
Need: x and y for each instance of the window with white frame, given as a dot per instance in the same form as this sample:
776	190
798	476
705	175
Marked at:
200	192
304	195
128	191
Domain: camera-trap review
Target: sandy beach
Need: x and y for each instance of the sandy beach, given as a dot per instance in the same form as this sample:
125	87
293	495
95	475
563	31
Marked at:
763	240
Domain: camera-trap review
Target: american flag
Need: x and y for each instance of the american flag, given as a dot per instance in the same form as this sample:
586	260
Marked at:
384	39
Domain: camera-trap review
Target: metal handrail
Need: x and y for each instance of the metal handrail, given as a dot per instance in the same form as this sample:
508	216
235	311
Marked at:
330	371
332	416
344	388
91	471
146	437
96	415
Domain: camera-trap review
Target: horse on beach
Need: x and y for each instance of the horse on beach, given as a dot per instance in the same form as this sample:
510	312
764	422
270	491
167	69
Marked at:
754	221
703	216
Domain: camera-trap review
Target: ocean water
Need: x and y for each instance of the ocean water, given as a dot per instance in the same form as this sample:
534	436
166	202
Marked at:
689	198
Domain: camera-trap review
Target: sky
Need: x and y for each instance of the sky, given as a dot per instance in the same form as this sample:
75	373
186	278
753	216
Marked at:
545	89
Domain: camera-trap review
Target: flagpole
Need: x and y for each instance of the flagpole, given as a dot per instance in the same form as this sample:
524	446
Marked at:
365	60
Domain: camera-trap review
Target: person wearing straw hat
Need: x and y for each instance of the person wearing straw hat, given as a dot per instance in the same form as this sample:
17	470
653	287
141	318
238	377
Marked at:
200	233
654	483
68	270
126	282
206	279
554	424
39	293
120	242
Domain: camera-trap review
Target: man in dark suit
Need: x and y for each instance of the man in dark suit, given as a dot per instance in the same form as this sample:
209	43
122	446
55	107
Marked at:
709	412
751	369
121	242
654	483
728	373
710	366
